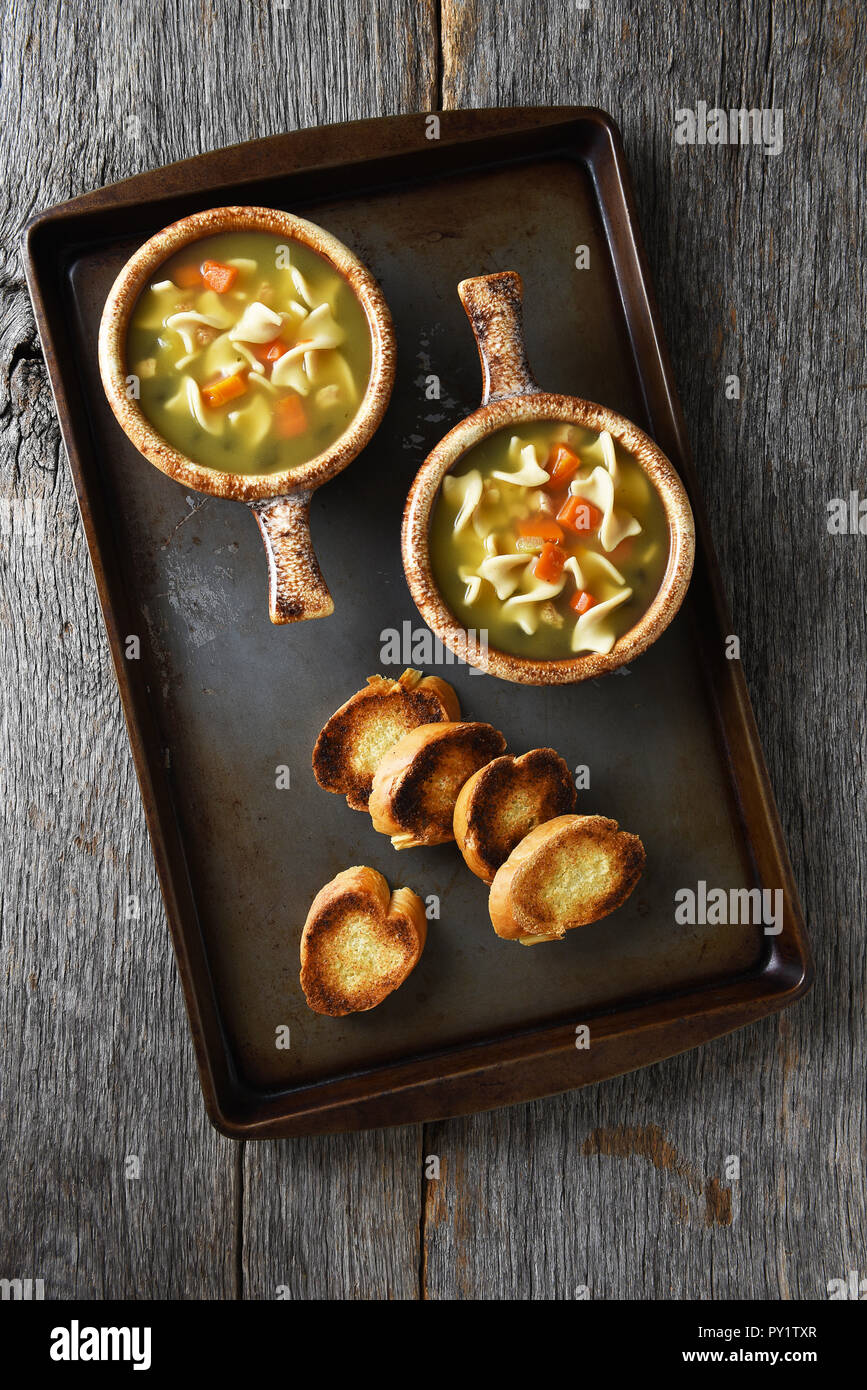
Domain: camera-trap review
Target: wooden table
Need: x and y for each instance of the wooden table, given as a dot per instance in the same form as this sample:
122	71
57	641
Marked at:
625	1189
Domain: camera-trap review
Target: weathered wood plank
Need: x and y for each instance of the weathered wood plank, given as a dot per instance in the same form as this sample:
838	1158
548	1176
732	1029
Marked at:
339	1217
97	1065
334	1217
97	1061
755	262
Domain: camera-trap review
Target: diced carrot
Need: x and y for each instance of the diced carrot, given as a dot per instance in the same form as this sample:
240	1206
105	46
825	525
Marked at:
219	277
290	417
224	389
549	565
579	515
542	526
186	276
563	464
582	602
269	352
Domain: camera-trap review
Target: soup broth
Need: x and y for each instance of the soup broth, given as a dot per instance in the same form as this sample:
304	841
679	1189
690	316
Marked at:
251	353
552	538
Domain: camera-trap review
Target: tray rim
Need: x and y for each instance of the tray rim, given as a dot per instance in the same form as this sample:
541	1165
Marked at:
530	1063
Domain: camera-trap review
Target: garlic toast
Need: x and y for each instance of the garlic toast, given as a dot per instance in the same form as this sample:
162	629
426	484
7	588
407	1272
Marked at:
360	733
566	873
504	801
417	783
360	942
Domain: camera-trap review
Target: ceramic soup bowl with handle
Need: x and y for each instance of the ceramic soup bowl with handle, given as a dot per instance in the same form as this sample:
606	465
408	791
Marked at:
280	501
511	397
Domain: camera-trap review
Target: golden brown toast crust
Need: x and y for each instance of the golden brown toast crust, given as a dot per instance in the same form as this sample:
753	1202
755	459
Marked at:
526	900
359	733
417	783
504	801
359	943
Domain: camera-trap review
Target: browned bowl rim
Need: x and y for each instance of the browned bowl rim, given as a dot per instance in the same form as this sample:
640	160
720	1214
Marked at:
113	359
422	496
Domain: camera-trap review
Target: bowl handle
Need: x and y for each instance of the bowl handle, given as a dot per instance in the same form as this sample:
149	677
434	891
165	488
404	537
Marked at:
296	589
494	308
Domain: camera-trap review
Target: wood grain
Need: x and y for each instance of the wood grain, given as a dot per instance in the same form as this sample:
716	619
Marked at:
755	260
97	1063
334	1217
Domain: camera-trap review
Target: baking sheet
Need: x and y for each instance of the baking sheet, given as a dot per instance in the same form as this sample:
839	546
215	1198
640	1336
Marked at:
232	698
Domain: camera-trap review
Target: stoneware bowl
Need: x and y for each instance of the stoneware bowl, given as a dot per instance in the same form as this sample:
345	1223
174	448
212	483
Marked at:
511	397
280	501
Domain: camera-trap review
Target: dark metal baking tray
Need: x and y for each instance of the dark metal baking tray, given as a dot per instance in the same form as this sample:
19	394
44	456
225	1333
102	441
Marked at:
220	698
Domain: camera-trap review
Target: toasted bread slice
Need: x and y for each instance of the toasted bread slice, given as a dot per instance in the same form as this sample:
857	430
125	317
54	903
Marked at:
570	871
360	733
504	801
359	942
416	785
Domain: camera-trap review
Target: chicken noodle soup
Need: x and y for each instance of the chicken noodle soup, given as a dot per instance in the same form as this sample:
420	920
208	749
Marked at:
551	538
252	354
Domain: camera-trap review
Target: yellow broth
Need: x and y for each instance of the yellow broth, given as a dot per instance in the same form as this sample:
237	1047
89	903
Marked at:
599	516
282	337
